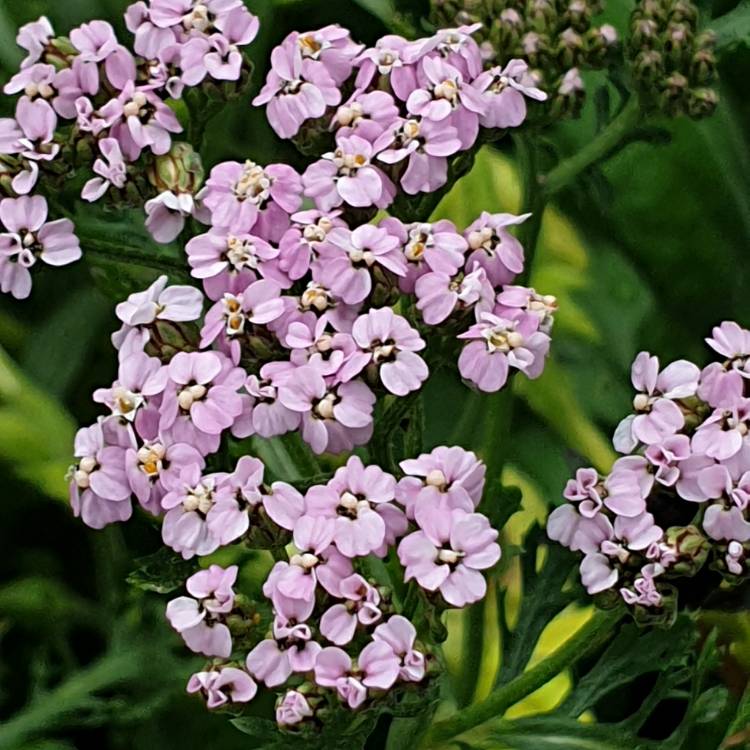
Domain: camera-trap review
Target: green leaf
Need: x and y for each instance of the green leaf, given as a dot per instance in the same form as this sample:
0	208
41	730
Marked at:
122	256
36	433
555	733
163	571
633	653
543	598
733	29
56	353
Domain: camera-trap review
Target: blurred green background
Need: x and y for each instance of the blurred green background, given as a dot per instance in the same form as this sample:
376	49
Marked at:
648	251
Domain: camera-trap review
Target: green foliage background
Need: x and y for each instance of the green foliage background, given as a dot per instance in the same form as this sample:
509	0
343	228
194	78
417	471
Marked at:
646	251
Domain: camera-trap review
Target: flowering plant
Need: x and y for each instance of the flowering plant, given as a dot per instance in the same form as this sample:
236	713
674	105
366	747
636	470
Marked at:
282	327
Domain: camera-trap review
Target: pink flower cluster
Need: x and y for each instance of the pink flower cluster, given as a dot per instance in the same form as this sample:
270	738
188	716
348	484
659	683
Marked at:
414	105
677	502
115	99
331	626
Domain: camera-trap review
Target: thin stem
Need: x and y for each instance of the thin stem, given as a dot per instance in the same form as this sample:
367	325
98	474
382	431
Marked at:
595	150
69	697
592	635
533	200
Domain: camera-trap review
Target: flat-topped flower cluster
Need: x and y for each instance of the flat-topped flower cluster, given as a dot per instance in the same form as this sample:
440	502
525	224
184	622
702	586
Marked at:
676	504
333	631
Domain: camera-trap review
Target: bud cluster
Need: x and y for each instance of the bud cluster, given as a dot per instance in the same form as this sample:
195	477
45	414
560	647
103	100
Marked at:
558	38
87	102
671	63
677	505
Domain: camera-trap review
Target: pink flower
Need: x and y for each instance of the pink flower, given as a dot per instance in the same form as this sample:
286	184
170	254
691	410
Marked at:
498	344
597	573
187	503
494	248
284	505
269	416
720	387
658	416
226	685
426	144
200	397
726	524
347	175
111	172
333	418
448	552
125	397
344	263
161	302
667	457
259	304
646	593
139	119
290	650
456	46
95	41
296	89
247	196
302	241
377	667
731	341
292	709
620	491
389	343
400	635
150	40
30	237
439	294
446	94
513	299
385	61
330	48
155	467
366	115
34	37
31	137
427	247
567	526
505	91
339	622
166	214
445	479
723	434
358	502
99	488
198	618
236	496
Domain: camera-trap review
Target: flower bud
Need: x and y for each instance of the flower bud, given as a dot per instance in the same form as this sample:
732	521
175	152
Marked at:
702	102
59	53
180	170
691	548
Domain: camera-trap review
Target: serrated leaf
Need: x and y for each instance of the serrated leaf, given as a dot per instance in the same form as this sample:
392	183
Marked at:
162	572
543	598
633	653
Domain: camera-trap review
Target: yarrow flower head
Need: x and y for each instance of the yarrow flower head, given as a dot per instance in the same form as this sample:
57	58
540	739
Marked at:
677	503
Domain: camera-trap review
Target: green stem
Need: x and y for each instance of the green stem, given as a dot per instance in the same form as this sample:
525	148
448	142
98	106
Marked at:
96	246
533	200
595	150
68	698
592	635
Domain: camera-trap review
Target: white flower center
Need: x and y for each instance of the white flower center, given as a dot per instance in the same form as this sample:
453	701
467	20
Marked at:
241	253
315	296
324	407
502	339
348	114
198	499
150	458
447	89
436	478
190	394
198	19
126	403
449	556
481	238
306	560
254	184
135	107
86	466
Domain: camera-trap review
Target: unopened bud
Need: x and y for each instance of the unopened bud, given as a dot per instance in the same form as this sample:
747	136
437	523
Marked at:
180	170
